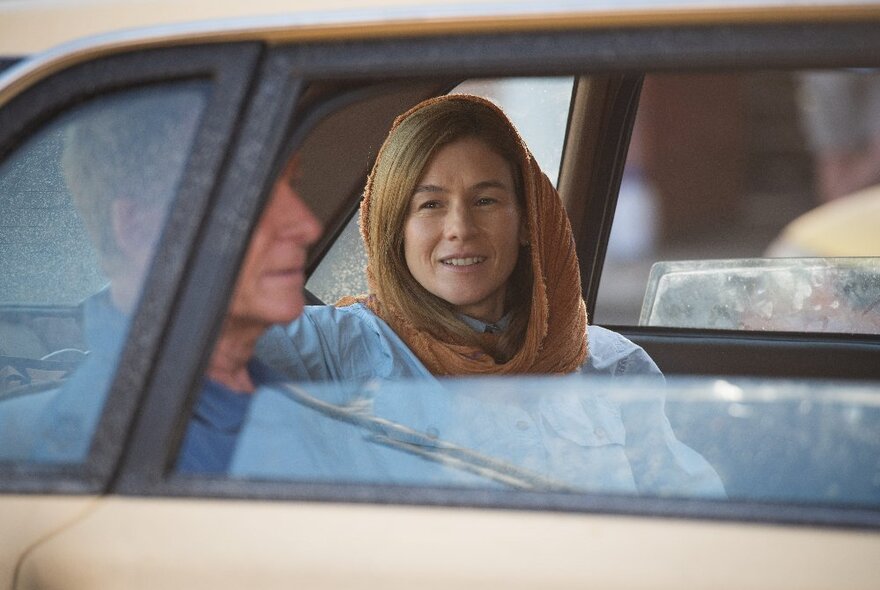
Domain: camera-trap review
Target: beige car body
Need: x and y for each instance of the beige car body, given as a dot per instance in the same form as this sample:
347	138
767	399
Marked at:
129	542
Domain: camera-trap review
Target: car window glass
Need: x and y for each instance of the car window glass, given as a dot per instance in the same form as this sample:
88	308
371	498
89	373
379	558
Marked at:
537	106
575	435
337	397
514	434
727	172
539	109
83	203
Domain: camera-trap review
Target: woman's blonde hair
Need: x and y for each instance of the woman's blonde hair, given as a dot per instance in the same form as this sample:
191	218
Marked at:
414	139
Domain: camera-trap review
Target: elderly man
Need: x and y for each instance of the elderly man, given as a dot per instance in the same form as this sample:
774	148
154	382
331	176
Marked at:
269	290
123	165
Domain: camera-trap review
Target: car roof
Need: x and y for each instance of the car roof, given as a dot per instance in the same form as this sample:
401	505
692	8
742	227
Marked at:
29	26
52	34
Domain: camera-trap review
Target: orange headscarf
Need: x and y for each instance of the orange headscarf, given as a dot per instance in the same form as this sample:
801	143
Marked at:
555	338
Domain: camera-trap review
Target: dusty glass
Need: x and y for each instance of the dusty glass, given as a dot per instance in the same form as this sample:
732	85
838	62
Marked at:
792	441
788	294
83	202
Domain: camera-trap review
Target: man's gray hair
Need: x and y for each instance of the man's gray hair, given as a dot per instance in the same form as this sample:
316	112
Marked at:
133	145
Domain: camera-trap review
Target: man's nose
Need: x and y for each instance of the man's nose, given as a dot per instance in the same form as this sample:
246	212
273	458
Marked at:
300	224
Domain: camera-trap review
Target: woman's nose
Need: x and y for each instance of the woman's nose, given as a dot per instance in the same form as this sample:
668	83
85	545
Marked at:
459	222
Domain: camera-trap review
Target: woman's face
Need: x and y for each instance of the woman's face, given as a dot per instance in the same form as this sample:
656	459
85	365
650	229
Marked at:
270	283
463	228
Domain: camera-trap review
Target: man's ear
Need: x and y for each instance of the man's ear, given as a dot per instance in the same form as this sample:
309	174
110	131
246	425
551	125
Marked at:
134	227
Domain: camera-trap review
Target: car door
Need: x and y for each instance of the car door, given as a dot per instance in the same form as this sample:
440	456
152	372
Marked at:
53	269
158	528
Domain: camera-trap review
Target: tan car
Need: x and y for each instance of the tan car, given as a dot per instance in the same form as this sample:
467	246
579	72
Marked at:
675	134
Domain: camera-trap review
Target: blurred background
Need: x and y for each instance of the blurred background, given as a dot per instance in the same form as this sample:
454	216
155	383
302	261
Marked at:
719	165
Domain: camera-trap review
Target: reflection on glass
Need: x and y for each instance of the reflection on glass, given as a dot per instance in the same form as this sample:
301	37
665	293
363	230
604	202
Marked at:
546	434
83	203
796	294
789	441
537	106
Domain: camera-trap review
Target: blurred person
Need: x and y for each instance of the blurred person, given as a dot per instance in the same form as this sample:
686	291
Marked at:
122	160
268	290
841	115
846	226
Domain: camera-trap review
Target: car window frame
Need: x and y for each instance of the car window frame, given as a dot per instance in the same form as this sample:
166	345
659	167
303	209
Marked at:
146	466
227	70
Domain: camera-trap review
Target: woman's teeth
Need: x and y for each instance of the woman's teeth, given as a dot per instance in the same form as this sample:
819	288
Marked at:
464	261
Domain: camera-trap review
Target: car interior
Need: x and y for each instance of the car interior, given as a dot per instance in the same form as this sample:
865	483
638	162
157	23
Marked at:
588	183
589	180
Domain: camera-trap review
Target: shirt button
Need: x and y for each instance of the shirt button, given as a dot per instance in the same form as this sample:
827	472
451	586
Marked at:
522	425
600	433
432	432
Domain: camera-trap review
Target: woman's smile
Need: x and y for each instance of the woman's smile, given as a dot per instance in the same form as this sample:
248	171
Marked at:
463	261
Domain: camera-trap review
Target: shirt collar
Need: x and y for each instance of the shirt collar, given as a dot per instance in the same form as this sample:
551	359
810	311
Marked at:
484	327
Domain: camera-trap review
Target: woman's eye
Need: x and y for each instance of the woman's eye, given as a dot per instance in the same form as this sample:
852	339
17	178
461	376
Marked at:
429	205
486	201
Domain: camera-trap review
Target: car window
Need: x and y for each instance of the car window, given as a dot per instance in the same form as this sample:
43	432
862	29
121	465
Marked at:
83	204
573	435
336	401
538	107
729	173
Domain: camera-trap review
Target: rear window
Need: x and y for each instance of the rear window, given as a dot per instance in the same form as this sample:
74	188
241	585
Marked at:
727	174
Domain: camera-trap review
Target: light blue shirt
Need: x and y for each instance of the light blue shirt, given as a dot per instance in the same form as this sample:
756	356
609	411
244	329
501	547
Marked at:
353	344
353	404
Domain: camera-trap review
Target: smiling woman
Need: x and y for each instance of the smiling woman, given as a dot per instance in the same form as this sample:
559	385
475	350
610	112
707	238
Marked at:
460	157
459	223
